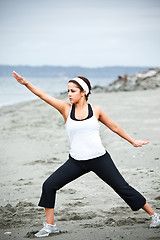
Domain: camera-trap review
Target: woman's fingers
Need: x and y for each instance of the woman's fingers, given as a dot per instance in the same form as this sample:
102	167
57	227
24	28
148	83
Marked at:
16	75
20	79
145	142
140	143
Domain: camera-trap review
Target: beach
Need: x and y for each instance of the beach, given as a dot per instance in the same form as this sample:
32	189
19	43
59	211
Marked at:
34	143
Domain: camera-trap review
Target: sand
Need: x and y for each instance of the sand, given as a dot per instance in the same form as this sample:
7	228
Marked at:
34	143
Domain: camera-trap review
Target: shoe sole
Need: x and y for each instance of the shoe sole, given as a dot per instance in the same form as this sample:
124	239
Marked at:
46	235
155	226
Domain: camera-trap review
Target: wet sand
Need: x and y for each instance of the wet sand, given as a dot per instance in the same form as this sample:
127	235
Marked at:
34	143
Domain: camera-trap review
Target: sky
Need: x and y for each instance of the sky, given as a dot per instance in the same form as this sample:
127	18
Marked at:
93	33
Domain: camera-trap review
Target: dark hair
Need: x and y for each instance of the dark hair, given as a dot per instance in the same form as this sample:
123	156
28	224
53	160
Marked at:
79	86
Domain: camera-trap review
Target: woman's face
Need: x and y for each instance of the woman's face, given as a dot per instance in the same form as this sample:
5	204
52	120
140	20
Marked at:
74	93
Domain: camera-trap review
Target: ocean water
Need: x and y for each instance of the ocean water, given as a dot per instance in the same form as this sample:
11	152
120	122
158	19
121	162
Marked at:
11	92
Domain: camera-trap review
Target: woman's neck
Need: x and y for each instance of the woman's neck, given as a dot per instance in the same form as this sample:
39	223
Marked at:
81	104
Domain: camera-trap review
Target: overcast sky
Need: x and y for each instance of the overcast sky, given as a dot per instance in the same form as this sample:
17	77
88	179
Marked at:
88	33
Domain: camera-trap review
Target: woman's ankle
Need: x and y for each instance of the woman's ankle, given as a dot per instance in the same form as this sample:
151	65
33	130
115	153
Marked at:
147	208
51	223
49	216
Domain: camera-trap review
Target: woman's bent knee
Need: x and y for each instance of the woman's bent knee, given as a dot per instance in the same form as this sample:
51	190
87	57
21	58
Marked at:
47	186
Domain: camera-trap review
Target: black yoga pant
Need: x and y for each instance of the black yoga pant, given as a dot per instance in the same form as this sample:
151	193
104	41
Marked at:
104	167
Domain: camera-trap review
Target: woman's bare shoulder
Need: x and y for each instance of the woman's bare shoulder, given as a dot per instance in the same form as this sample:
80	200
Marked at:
96	108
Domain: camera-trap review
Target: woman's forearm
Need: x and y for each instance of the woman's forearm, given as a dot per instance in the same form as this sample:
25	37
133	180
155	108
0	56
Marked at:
124	135
60	105
37	91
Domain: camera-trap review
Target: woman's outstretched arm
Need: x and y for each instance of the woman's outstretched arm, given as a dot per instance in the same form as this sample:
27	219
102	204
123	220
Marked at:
103	117
60	105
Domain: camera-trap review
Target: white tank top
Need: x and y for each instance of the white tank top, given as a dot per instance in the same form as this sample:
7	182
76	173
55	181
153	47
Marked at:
85	141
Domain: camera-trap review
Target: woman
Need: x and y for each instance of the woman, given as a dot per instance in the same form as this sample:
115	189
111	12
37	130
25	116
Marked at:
87	152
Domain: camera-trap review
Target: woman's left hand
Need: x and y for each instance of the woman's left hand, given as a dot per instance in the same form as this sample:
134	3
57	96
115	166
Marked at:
139	143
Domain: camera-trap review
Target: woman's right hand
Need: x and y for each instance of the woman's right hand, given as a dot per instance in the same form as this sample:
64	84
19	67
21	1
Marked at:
20	79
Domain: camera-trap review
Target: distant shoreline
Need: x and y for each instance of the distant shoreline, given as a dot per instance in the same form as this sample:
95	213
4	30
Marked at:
69	72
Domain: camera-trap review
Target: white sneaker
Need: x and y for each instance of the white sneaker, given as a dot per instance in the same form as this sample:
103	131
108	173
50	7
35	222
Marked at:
46	230
155	220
